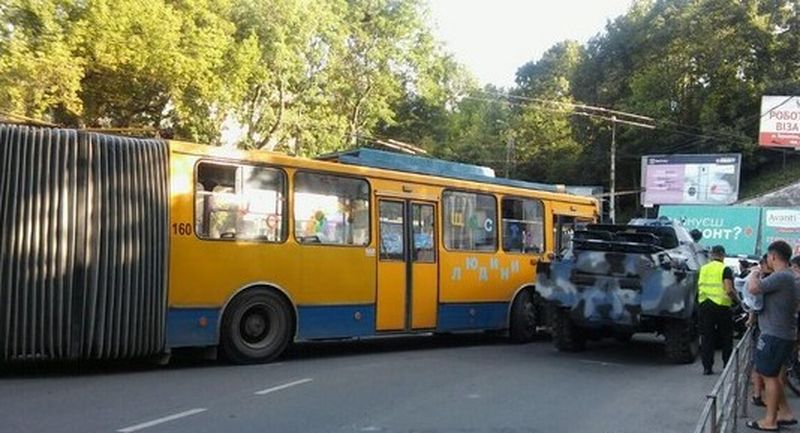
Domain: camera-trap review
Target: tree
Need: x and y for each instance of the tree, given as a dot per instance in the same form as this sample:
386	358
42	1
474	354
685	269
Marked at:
328	73
542	131
157	63
287	74
422	115
698	66
126	63
38	71
478	128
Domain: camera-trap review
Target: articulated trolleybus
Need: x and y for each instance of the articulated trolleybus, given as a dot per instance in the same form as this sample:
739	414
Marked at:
117	247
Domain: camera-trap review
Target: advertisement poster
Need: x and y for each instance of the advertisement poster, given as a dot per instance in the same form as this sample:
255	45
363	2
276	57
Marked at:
781	224
734	227
690	179
780	121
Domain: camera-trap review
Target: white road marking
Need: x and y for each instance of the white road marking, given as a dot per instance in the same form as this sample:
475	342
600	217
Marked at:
284	386
158	421
473	396
603	363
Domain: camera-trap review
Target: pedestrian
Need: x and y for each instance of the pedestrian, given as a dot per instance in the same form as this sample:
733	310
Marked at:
778	325
757	302
715	296
796	265
744	268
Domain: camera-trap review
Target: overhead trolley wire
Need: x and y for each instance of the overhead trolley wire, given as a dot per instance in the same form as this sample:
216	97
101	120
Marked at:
603	113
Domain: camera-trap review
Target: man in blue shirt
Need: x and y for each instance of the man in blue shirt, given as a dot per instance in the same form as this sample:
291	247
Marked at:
778	324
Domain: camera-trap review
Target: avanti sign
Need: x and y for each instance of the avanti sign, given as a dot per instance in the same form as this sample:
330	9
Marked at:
781	224
734	227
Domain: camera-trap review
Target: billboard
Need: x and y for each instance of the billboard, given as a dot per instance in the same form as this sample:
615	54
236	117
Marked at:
734	227
780	121
781	224
691	179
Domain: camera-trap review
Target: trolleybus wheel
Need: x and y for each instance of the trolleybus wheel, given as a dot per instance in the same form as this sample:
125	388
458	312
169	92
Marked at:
256	327
523	318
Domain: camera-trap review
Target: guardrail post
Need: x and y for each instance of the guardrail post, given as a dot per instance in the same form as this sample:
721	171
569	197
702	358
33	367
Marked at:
736	386
713	413
719	408
746	378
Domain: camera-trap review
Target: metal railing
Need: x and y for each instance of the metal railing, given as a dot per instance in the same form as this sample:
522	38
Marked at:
727	402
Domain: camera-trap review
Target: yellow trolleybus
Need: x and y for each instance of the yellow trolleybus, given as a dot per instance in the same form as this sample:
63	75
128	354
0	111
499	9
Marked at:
119	247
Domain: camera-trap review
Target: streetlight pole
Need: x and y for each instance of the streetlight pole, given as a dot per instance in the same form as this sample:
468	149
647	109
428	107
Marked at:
613	184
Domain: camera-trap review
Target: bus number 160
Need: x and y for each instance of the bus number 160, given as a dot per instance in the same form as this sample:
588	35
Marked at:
183	229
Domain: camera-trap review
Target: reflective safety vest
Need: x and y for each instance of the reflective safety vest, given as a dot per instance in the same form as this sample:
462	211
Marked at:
710	286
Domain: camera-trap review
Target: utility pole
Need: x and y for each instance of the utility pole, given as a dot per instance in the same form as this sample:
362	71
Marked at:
509	148
613	184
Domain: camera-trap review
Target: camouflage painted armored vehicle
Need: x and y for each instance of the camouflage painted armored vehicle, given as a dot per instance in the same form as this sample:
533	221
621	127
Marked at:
617	280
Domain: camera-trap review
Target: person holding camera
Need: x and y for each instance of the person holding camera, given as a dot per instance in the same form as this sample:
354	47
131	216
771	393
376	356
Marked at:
778	325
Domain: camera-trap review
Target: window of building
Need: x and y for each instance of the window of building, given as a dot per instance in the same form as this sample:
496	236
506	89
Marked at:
523	225
330	209
240	202
469	221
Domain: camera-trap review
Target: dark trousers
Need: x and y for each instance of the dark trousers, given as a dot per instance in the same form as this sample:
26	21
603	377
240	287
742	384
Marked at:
716	329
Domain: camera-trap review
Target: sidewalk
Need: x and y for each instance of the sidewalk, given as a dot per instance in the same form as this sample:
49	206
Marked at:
755	412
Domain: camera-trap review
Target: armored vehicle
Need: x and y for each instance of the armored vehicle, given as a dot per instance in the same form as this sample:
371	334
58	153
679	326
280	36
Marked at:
617	280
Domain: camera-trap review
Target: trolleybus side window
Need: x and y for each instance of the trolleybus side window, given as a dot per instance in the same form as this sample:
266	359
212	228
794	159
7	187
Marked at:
469	221
523	225
330	209
239	202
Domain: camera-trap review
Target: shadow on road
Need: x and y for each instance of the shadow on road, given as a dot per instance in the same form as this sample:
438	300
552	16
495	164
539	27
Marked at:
389	344
193	358
642	350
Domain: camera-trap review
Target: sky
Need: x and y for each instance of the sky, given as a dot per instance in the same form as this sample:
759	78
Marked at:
495	37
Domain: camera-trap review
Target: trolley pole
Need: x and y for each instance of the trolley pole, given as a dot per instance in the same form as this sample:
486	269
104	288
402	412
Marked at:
613	181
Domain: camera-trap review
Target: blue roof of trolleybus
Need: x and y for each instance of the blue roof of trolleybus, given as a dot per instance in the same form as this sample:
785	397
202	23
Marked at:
436	167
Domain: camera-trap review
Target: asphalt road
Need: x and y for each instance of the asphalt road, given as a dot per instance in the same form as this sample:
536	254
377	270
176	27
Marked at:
464	384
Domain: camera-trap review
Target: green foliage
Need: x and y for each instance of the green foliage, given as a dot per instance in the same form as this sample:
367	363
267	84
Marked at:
313	76
703	64
770	176
304	76
476	131
698	66
38	71
542	131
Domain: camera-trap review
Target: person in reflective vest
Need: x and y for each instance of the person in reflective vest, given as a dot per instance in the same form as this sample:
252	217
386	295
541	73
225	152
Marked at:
716	296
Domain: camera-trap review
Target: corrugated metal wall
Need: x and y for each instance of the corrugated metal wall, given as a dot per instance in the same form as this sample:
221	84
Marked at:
83	246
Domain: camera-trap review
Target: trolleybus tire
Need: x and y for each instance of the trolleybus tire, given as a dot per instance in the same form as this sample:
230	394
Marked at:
256	327
523	318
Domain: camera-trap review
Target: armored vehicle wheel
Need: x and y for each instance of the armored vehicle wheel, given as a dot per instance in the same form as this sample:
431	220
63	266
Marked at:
567	336
523	318
256	327
682	344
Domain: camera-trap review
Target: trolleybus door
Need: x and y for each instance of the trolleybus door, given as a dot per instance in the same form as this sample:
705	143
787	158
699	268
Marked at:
407	265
